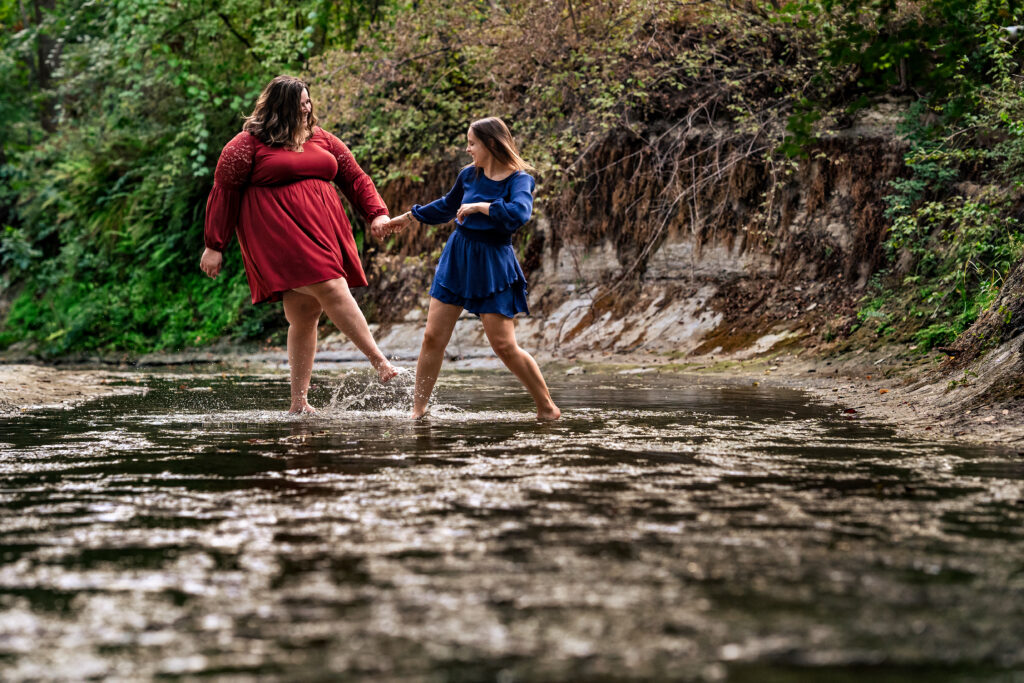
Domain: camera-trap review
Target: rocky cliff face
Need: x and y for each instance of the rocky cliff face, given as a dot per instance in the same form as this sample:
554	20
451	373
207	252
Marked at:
637	257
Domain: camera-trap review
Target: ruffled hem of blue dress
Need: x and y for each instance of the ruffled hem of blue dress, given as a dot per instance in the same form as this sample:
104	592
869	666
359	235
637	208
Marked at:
506	302
472	269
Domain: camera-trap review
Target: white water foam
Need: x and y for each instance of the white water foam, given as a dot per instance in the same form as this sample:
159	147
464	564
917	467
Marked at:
361	391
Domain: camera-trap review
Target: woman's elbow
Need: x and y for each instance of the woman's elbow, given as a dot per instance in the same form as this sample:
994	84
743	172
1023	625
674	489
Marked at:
519	214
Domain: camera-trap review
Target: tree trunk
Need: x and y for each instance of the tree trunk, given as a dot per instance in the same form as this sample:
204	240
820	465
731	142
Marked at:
45	62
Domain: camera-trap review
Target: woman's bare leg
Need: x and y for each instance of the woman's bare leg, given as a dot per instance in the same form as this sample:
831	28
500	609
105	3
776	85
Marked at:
342	309
441	319
501	332
303	314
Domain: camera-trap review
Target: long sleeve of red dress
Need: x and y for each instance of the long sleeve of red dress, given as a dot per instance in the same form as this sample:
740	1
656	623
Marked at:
354	182
229	180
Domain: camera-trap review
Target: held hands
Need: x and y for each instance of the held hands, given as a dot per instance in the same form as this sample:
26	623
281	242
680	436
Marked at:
382	226
211	262
379	226
466	209
389	227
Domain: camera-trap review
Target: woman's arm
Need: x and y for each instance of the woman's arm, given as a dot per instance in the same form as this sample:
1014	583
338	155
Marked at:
355	183
512	213
444	209
438	211
234	167
475	207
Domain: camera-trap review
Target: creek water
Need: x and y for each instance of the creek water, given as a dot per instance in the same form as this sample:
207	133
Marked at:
667	527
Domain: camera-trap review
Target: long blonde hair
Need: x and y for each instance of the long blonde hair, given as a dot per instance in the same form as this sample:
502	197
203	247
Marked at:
277	120
496	137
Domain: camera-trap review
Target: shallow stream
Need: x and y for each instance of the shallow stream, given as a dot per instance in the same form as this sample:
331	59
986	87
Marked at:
665	528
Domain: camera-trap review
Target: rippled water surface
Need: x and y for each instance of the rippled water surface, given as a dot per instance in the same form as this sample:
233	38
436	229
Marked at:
664	529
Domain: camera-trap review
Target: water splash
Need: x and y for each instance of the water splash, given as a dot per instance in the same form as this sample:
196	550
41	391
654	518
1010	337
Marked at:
361	391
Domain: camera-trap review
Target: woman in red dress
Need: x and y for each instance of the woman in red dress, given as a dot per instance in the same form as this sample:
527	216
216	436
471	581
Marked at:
272	188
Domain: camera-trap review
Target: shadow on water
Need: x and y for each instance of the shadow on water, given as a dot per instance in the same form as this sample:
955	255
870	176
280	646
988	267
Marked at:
664	528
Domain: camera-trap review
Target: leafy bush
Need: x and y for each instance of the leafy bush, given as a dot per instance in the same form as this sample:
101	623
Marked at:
955	231
107	173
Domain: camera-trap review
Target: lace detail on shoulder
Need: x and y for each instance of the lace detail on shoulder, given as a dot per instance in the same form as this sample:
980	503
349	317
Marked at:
341	152
235	164
356	185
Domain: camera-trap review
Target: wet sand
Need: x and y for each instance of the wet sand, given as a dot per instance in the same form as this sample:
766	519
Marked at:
30	387
904	391
901	390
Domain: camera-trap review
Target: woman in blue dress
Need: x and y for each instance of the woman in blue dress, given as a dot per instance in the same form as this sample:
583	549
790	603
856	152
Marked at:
478	270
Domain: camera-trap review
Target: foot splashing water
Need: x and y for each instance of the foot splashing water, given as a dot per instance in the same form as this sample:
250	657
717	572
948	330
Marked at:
360	391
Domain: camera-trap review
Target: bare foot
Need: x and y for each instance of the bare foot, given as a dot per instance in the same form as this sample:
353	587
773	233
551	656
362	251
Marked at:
301	409
385	371
552	413
417	413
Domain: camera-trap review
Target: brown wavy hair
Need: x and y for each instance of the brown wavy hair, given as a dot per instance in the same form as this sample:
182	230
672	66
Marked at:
498	140
277	120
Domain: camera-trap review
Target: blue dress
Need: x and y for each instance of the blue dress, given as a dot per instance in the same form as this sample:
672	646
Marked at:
478	269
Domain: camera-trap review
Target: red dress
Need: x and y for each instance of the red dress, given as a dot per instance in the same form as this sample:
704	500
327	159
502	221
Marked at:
290	223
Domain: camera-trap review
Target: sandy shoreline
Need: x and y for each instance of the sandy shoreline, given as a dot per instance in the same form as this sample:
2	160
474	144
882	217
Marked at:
863	385
908	398
25	387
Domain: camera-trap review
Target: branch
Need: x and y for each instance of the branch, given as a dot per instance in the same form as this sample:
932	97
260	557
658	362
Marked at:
242	39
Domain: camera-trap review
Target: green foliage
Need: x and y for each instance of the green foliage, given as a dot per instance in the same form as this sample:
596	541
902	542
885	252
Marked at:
958	239
106	148
938	50
16	252
964	380
922	44
873	313
107	171
955	232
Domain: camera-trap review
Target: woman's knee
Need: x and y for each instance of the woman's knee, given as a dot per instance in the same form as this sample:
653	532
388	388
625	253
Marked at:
304	313
304	321
504	348
435	339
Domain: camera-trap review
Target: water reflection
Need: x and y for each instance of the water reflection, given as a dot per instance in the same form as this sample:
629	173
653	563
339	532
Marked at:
662	529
